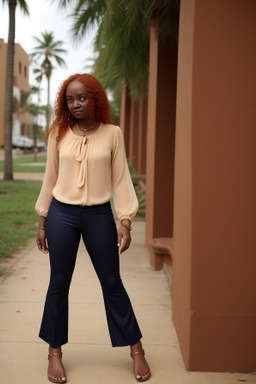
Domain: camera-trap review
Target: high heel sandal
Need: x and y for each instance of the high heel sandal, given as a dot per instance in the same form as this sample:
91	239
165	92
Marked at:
148	375
58	381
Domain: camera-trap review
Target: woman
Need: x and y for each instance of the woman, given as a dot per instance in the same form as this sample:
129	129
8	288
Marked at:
86	164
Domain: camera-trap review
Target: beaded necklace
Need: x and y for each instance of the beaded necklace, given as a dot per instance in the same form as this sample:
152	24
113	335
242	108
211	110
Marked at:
85	130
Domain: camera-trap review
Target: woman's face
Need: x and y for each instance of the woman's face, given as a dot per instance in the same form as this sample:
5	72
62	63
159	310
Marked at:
77	100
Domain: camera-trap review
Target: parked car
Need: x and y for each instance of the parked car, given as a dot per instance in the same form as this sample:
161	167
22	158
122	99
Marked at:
41	145
22	142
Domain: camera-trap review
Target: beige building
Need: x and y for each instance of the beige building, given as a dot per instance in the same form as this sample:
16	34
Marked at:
20	83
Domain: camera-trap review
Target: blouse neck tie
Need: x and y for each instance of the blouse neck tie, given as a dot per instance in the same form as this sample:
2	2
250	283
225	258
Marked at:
80	157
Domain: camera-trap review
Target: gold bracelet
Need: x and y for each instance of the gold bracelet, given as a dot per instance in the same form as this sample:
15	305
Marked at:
128	226
43	228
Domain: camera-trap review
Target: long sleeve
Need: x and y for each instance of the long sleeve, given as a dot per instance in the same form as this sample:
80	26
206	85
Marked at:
125	199
88	172
50	177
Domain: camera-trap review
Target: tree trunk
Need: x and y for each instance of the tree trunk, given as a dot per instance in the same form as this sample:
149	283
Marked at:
8	170
48	113
34	128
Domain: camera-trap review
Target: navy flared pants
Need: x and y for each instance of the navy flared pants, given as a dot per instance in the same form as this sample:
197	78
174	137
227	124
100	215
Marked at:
64	226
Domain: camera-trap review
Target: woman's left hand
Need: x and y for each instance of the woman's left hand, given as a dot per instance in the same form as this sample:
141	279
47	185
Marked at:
124	239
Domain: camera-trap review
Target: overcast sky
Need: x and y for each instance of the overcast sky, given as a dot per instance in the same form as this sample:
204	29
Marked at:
43	16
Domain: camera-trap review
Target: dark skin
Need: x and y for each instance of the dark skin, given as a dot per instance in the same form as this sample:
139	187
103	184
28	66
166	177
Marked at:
77	102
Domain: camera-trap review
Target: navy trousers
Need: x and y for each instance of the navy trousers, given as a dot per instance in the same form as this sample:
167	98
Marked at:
64	226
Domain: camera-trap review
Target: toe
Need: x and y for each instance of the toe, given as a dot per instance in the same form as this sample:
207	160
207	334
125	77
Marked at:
147	376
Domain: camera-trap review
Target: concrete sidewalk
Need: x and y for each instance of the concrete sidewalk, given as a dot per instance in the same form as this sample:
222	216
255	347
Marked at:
25	176
89	357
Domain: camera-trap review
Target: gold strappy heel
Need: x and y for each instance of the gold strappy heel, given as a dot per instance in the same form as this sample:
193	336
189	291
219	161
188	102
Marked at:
51	379
148	375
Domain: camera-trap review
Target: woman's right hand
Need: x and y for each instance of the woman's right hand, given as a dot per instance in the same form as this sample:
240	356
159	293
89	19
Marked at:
41	241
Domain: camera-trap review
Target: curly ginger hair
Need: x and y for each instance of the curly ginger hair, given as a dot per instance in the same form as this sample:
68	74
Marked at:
98	104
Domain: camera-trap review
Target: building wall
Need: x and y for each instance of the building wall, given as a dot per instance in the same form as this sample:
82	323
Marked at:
214	218
133	122
160	138
134	127
214	271
181	284
21	82
142	136
125	117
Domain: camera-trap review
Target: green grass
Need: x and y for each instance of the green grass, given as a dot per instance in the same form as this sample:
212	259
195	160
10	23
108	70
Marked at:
19	165
18	217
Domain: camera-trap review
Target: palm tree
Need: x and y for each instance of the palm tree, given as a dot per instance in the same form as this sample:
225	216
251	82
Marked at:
21	106
48	50
8	170
122	39
39	75
24	105
36	129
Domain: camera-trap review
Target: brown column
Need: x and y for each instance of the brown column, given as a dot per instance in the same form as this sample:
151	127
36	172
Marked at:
125	111
134	127
160	138
214	270
142	136
133	122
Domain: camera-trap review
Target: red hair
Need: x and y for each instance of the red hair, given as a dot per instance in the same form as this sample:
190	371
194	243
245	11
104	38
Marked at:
98	104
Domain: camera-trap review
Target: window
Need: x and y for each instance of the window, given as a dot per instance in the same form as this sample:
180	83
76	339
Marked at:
25	71
20	67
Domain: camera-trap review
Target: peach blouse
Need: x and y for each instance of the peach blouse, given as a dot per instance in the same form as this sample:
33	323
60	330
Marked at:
88	171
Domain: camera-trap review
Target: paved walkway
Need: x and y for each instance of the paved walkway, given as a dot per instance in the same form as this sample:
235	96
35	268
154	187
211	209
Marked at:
25	176
88	357
18	153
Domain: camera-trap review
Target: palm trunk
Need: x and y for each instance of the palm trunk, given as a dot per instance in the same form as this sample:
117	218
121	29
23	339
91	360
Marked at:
8	170
48	113
34	128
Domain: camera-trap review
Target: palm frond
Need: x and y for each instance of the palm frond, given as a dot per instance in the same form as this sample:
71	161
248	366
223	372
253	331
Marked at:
122	39
62	3
23	6
86	15
123	51
60	61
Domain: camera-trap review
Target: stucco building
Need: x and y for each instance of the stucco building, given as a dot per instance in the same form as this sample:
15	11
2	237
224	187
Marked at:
195	138
21	82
